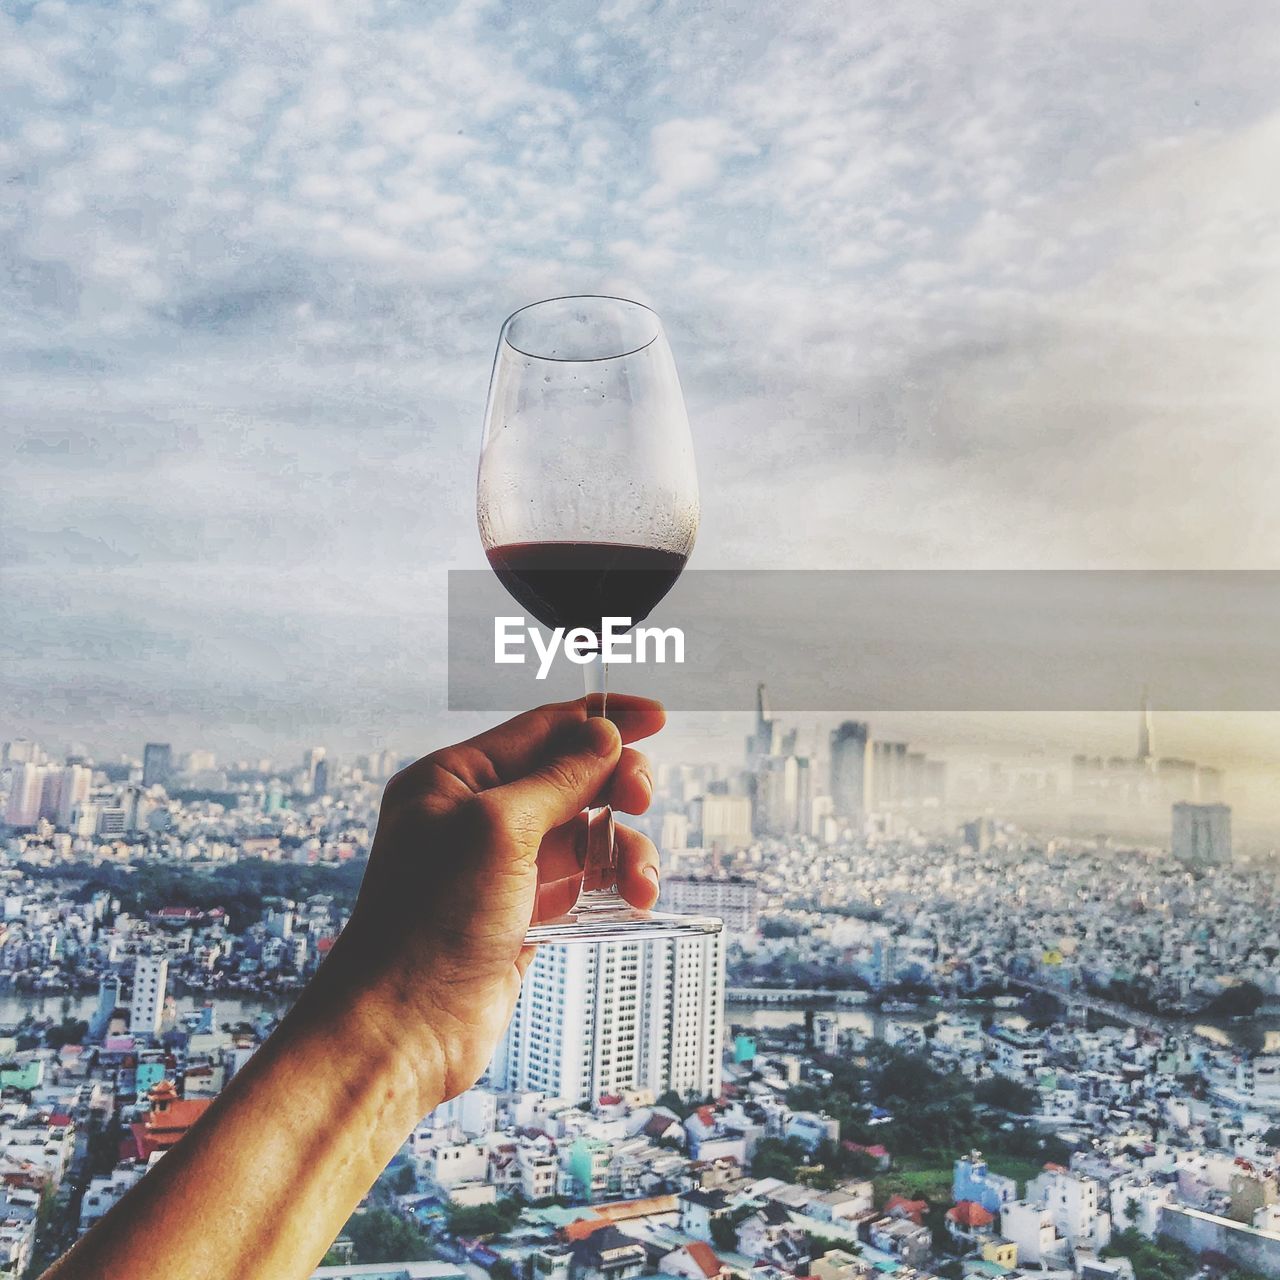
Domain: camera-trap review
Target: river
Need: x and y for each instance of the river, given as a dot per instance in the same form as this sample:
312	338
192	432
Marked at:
15	1005
1258	1035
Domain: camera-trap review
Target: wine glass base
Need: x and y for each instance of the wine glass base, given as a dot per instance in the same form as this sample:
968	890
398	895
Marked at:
622	923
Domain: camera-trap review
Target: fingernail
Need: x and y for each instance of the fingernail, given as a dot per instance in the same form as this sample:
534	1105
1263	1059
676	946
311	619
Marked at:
650	873
598	736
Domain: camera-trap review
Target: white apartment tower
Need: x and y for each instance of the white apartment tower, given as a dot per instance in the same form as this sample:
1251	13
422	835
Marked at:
25	791
734	899
149	978
621	1015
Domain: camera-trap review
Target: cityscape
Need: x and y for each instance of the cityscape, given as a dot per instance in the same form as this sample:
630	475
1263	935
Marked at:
938	1036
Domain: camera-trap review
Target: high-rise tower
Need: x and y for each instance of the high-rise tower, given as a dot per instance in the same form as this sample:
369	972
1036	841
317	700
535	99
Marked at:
851	770
622	1015
1146	741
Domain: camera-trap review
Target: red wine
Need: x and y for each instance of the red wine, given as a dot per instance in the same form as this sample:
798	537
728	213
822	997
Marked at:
575	584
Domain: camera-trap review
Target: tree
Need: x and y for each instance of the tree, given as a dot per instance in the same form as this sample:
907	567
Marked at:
68	1031
1006	1094
820	1246
1240	1001
774	927
724	1234
378	1235
774	1158
1162	1259
482	1219
405	1180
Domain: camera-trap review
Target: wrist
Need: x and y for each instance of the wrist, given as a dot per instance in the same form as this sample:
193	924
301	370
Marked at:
367	1014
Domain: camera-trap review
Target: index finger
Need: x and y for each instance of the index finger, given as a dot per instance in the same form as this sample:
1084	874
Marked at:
513	749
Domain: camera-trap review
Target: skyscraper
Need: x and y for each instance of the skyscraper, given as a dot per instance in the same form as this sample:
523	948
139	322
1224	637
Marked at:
622	1015
157	763
310	763
26	790
1202	834
72	793
723	820
766	738
147	1004
1146	739
784	795
320	778
850	770
888	775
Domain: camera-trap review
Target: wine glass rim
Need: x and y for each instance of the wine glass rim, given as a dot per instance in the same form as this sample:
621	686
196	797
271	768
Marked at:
581	297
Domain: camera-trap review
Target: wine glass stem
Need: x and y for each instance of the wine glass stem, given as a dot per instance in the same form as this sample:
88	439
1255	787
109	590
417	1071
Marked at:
599	867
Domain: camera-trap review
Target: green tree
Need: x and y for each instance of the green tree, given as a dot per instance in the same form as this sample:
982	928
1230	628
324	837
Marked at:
1242	1000
68	1031
774	927
724	1234
379	1235
1162	1259
775	1158
1006	1094
482	1219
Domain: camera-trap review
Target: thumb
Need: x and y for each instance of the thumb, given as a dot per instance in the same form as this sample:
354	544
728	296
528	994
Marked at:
563	786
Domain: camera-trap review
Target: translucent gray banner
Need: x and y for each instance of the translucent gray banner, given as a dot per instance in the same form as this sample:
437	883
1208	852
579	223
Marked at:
829	640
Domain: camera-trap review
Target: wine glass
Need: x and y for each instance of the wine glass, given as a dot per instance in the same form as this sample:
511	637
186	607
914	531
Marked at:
587	501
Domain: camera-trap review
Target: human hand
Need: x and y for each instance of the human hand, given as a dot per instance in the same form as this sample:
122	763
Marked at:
474	842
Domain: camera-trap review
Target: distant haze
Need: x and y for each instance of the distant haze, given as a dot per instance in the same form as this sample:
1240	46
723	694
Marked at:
969	286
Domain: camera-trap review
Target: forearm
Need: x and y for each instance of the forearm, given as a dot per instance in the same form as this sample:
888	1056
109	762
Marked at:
261	1185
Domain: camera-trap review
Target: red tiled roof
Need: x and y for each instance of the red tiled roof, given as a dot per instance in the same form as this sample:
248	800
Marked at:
605	1215
621	1210
168	1120
913	1209
969	1213
583	1227
704	1257
657	1125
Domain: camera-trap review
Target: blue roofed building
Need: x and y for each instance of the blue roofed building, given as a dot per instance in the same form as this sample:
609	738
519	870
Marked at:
973	1180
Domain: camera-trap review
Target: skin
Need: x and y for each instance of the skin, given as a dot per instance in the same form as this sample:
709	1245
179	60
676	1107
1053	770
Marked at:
473	843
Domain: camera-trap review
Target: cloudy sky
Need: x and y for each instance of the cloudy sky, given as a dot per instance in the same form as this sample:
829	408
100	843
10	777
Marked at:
962	285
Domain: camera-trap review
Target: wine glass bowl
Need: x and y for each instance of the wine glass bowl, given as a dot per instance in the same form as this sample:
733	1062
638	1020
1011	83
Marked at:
586	434
587	504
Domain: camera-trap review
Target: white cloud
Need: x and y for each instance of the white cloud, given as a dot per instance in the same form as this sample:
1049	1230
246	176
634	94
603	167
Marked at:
689	154
967	286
